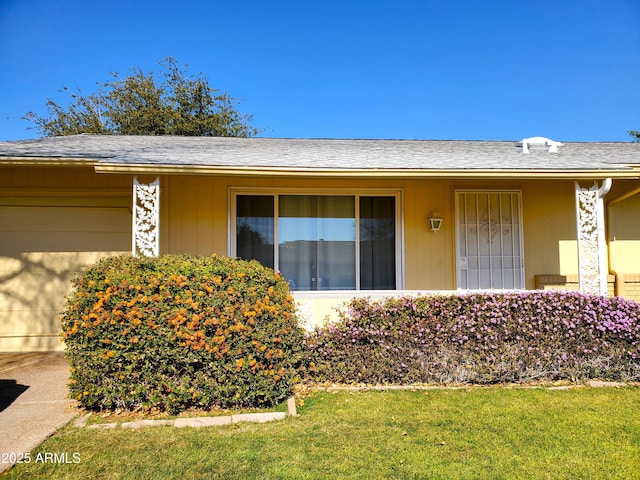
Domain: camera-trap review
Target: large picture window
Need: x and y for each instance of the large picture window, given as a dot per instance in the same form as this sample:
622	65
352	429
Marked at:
321	242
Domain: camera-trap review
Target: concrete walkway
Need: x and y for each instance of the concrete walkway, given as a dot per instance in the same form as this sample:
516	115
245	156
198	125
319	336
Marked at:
33	401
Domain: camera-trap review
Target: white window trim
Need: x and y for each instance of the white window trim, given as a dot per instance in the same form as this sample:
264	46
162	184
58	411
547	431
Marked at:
233	192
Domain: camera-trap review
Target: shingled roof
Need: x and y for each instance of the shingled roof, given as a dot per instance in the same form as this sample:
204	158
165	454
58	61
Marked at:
175	154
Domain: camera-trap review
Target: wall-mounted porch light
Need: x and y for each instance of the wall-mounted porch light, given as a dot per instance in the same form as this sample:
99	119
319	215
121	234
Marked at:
435	221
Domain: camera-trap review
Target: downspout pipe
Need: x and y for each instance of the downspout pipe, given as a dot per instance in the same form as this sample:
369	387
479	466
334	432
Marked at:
602	233
605	187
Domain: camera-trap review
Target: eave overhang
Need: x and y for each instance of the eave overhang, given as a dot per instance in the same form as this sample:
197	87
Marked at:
102	166
145	169
47	162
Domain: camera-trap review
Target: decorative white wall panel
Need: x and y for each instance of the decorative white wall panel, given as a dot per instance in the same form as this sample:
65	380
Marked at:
592	253
146	218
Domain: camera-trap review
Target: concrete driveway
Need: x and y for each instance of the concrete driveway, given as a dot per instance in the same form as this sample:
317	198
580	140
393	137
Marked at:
33	401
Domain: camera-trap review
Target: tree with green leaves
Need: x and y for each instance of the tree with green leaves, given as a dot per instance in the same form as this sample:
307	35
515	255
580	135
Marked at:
173	103
635	134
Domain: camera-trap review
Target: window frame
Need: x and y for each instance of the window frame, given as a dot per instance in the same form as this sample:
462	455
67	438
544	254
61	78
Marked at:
352	192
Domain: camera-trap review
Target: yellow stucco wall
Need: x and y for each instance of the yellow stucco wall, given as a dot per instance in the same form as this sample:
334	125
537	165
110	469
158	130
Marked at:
624	238
54	221
195	209
550	229
624	243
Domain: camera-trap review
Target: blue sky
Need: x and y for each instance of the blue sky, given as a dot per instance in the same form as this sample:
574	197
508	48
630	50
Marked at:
447	69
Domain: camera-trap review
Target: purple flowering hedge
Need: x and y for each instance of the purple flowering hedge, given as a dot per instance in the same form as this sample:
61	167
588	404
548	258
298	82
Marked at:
479	338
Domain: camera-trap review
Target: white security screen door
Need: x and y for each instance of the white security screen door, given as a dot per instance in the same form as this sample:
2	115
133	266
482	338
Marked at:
489	240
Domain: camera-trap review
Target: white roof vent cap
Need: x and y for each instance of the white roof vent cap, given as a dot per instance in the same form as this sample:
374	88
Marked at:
540	143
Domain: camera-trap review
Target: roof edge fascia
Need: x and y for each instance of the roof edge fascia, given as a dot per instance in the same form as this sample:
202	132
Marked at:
143	169
47	162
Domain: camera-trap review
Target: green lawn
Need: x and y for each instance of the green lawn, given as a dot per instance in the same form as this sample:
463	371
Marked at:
484	433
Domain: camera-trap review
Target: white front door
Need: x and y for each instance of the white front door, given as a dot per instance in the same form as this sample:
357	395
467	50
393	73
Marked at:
489	239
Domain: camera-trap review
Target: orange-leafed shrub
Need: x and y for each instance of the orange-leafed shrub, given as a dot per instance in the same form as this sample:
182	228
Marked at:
178	332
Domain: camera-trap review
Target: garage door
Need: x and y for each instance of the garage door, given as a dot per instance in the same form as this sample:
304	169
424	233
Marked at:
41	248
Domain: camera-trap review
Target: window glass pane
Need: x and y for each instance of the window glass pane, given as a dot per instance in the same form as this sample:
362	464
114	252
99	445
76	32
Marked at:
377	243
316	241
255	228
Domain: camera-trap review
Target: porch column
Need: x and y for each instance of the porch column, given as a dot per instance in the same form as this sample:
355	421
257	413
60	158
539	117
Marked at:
592	246
146	218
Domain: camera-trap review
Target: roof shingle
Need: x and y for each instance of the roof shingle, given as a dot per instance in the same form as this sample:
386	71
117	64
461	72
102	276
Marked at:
322	153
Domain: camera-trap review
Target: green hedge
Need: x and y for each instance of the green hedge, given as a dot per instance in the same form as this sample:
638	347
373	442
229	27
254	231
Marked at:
179	332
